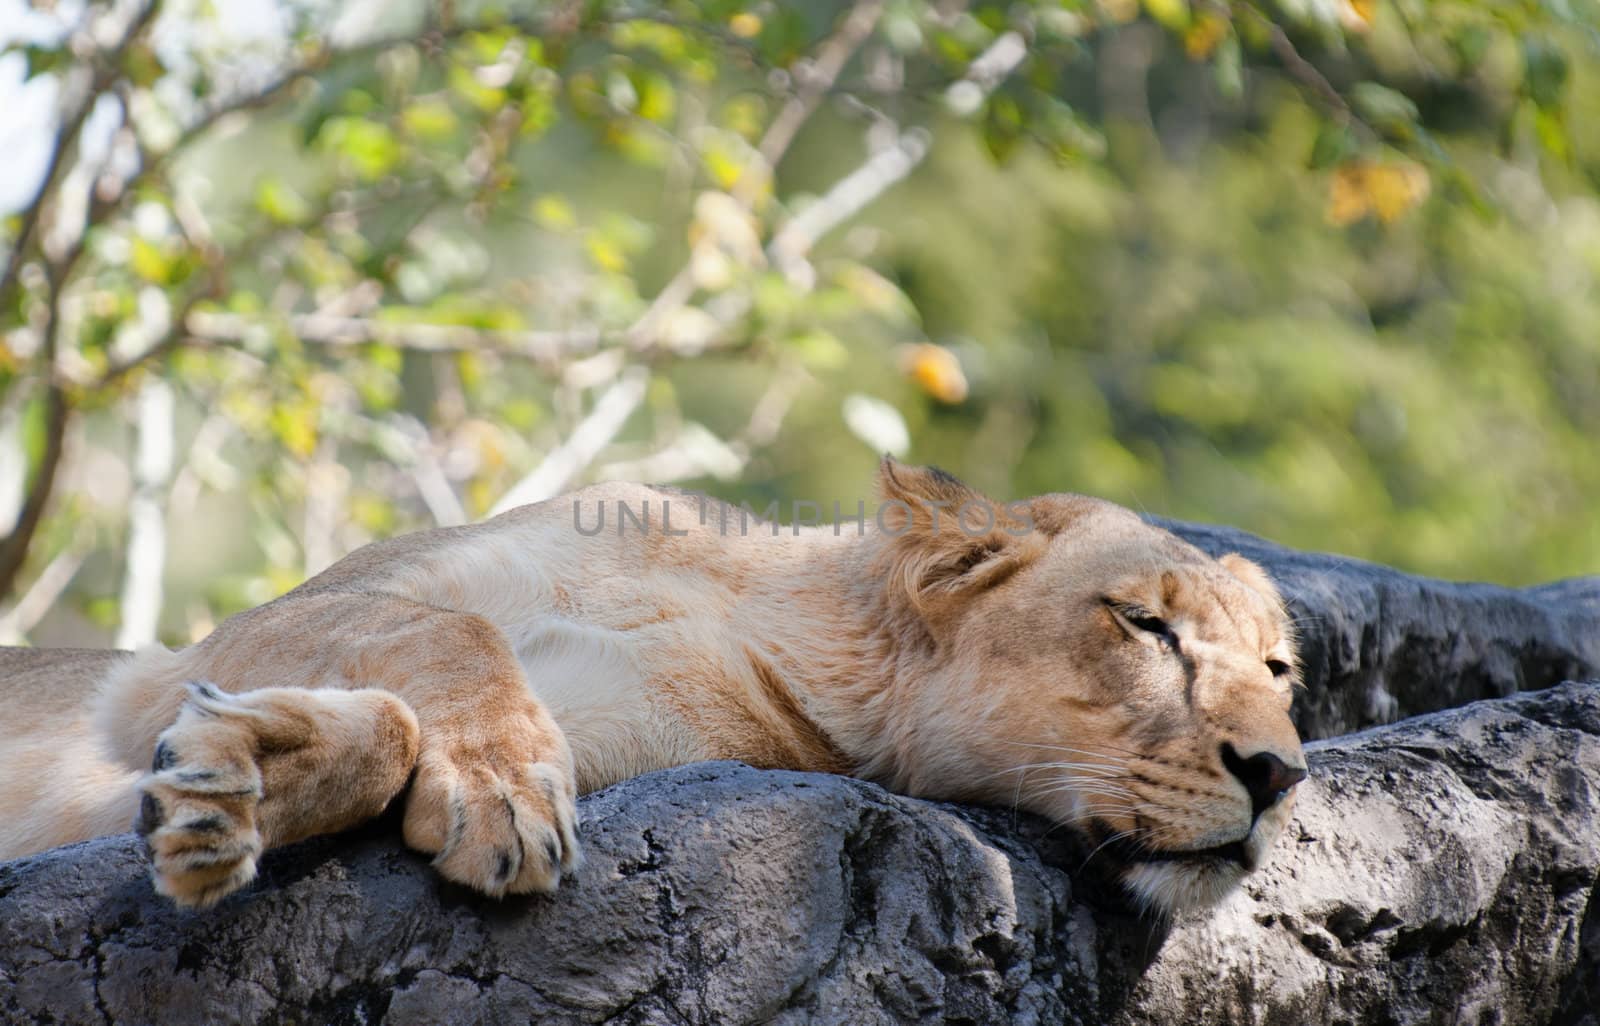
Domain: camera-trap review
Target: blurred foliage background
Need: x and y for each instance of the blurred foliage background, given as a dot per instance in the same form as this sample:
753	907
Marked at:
282	277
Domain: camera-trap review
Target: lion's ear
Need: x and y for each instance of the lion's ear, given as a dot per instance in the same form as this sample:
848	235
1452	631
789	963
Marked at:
1252	576
943	540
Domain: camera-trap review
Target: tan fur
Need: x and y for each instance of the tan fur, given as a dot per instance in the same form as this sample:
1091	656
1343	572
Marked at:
503	668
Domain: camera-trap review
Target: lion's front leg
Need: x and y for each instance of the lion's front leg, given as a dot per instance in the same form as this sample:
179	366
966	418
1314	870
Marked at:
237	774
494	799
493	795
495	802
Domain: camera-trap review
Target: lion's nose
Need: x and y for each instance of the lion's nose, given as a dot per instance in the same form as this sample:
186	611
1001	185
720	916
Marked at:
1265	776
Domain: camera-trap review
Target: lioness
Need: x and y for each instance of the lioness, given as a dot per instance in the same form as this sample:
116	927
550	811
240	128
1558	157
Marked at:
1058	653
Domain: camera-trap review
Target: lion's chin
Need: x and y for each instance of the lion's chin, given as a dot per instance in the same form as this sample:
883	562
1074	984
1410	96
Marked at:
1168	882
1168	887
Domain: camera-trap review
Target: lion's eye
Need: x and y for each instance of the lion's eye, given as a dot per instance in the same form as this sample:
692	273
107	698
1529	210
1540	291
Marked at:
1278	667
1144	620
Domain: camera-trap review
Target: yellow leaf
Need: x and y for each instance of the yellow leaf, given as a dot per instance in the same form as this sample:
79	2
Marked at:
150	262
488	442
373	513
282	579
936	370
280	202
1357	15
745	115
1204	34
1385	190
745	25
725	168
1396	188
1347	199
479	496
1174	14
296	428
607	255
554	213
1120	11
430	119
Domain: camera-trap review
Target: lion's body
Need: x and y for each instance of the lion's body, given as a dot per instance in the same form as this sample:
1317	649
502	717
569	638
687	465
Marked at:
503	668
58	784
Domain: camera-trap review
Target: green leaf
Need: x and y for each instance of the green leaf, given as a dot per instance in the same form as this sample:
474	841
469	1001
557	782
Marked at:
1228	68
658	100
1173	14
538	111
465	84
1551	129
820	350
783	35
1471	45
368	148
1544	71
142	65
1068	135
430	119
1384	108
332	89
1334	143
150	262
1002	127
280	203
41	60
554	213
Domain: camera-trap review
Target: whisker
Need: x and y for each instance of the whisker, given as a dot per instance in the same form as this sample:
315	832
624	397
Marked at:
1121	796
1106	750
1069	748
1119	835
1084	786
1066	787
1087	767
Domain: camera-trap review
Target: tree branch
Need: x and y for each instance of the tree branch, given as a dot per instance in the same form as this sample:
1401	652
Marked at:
66	144
1307	73
847	198
696	452
14	548
852	193
592	434
831	58
147	521
16	622
335	331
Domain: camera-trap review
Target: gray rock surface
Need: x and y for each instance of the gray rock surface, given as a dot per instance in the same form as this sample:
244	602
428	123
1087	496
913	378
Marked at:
1439	870
1378	644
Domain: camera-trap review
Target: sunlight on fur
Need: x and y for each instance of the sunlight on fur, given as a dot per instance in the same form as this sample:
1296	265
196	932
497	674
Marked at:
1055	654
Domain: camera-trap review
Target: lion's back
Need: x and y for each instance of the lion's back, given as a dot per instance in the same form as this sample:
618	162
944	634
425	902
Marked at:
50	683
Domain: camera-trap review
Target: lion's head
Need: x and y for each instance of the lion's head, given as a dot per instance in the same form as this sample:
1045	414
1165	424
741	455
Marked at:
1082	664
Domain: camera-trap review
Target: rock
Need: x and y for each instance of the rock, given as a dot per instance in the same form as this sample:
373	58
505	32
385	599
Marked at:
1377	644
1438	870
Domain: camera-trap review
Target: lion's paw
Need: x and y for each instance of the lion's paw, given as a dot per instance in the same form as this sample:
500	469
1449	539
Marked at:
197	811
493	823
238	773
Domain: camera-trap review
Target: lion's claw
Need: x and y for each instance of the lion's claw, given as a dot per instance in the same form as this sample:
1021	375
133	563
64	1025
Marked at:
497	829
